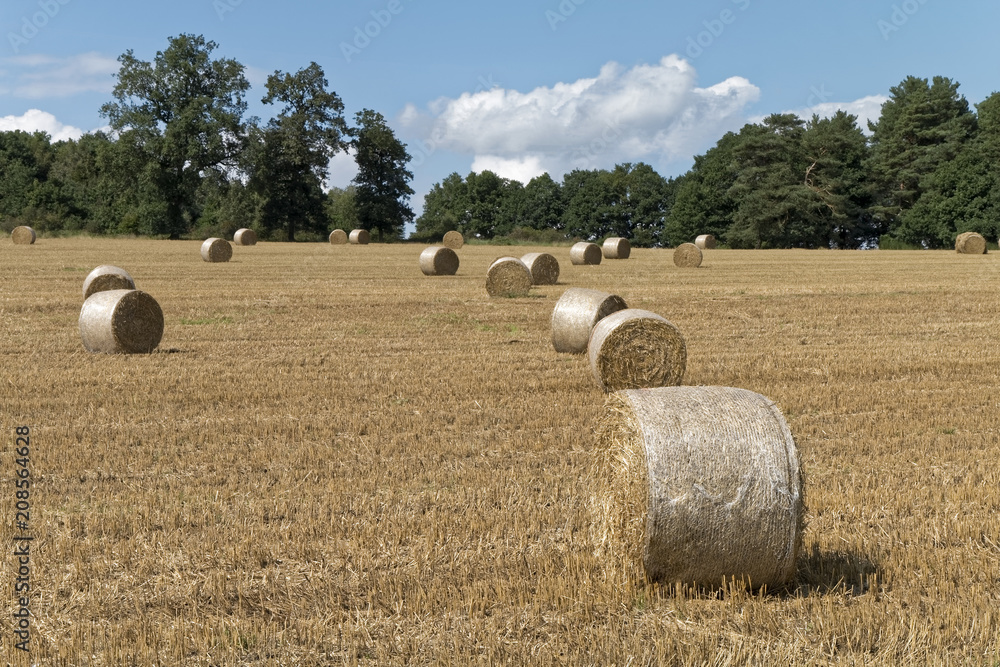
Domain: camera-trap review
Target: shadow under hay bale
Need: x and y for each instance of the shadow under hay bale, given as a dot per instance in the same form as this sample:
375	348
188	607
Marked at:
508	276
453	240
970	243
705	242
360	237
338	237
121	322
106	277
245	237
687	256
23	235
575	314
634	348
438	261
616	248
585	253
543	267
216	250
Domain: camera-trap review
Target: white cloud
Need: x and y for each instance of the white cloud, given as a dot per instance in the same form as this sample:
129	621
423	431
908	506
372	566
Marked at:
649	113
866	109
34	120
41	76
342	170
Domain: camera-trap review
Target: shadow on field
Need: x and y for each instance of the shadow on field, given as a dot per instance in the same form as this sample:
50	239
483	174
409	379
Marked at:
844	572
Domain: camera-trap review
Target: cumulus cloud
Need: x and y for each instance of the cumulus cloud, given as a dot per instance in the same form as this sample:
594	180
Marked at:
34	120
40	76
647	112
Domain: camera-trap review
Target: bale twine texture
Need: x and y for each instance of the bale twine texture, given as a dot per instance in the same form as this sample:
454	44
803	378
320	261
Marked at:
104	278
438	260
616	248
360	237
970	243
544	268
705	242
635	349
576	313
121	322
687	256
508	276
216	250
697	485
338	237
245	237
453	240
585	253
23	235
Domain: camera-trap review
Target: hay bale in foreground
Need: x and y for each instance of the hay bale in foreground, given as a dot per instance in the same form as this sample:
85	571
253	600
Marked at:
970	243
360	237
216	250
687	256
696	485
104	278
576	313
585	253
508	276
453	240
23	235
438	260
338	237
633	349
245	237
121	322
616	247
705	242
543	267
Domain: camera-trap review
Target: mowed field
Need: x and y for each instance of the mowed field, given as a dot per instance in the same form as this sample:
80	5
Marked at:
334	459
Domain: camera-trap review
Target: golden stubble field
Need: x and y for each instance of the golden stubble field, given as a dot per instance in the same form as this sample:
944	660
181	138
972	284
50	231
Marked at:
333	459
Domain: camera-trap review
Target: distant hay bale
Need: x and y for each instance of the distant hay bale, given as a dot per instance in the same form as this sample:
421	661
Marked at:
121	322
438	260
575	314
970	243
338	237
705	242
104	278
585	253
216	250
508	276
360	237
245	237
23	235
687	256
634	349
453	240
616	248
543	267
697	485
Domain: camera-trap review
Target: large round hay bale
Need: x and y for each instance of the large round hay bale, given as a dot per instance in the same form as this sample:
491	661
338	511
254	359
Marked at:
543	267
585	253
245	237
970	243
508	276
634	349
453	240
705	242
576	313
338	237
438	260
360	237
697	485
23	235
616	248
121	321
216	250
687	256
104	278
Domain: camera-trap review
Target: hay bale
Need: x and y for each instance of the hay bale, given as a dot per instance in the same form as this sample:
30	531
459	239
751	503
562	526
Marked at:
453	240
245	237
687	256
576	313
970	243
216	250
633	349
705	242
543	267
438	260
121	322
616	248
104	278
696	485
360	237
508	276
585	253
338	237
23	235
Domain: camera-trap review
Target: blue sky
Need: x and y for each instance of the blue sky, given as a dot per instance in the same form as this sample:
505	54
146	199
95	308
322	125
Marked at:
518	87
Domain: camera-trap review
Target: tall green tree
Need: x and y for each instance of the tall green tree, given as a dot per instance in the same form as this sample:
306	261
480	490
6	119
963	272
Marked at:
341	208
543	203
445	209
382	186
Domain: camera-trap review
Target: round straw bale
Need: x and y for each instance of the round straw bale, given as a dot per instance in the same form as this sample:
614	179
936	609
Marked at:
687	256
453	240
705	242
438	260
245	237
360	237
508	276
216	250
544	268
696	485
970	243
121	321
633	349
585	253
23	235
338	237
576	313
616	248
106	277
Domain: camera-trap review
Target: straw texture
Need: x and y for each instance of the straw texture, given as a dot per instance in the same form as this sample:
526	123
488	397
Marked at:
585	253
616	248
705	242
23	235
687	256
634	348
453	240
544	268
575	314
698	485
360	237
121	322
216	250
104	278
970	243
438	260
338	237
508	276
245	237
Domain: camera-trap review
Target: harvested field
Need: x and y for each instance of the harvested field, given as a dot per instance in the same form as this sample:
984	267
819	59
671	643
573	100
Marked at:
249	493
